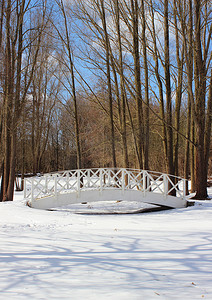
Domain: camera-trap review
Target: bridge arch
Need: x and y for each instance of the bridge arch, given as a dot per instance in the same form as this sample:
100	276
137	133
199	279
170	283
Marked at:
104	184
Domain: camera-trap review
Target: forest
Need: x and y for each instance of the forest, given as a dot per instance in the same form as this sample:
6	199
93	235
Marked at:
105	83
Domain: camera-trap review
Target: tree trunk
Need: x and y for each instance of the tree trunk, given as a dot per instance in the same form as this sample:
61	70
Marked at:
200	90
137	76
68	47
146	75
1	22
208	128
170	169
109	86
160	87
122	110
179	83
8	104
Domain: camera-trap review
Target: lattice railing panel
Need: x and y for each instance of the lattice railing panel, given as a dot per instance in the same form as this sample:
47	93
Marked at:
135	180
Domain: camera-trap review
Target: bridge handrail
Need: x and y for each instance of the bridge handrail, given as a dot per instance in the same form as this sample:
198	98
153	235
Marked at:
103	178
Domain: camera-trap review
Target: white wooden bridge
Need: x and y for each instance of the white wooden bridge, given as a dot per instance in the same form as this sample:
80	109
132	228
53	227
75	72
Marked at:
104	184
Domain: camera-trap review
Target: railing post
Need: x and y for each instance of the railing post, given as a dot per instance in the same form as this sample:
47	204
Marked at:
101	180
46	184
148	183
89	178
32	190
184	188
165	184
25	188
123	180
144	182
67	180
78	181
55	184
108	178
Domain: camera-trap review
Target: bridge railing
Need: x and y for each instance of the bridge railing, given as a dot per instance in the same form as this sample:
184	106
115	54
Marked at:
103	178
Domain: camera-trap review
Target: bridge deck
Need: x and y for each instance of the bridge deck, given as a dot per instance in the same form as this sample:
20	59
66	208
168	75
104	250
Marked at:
89	185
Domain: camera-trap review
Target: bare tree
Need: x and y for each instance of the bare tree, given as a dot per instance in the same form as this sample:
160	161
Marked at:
146	86
13	100
202	42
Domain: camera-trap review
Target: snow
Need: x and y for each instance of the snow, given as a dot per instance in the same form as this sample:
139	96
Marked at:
65	255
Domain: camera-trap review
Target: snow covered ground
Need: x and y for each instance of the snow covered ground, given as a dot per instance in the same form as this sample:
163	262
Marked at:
64	255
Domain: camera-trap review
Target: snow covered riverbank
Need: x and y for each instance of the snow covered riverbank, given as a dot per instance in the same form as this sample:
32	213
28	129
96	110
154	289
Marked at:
63	255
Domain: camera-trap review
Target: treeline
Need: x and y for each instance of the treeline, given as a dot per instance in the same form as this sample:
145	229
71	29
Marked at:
105	83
